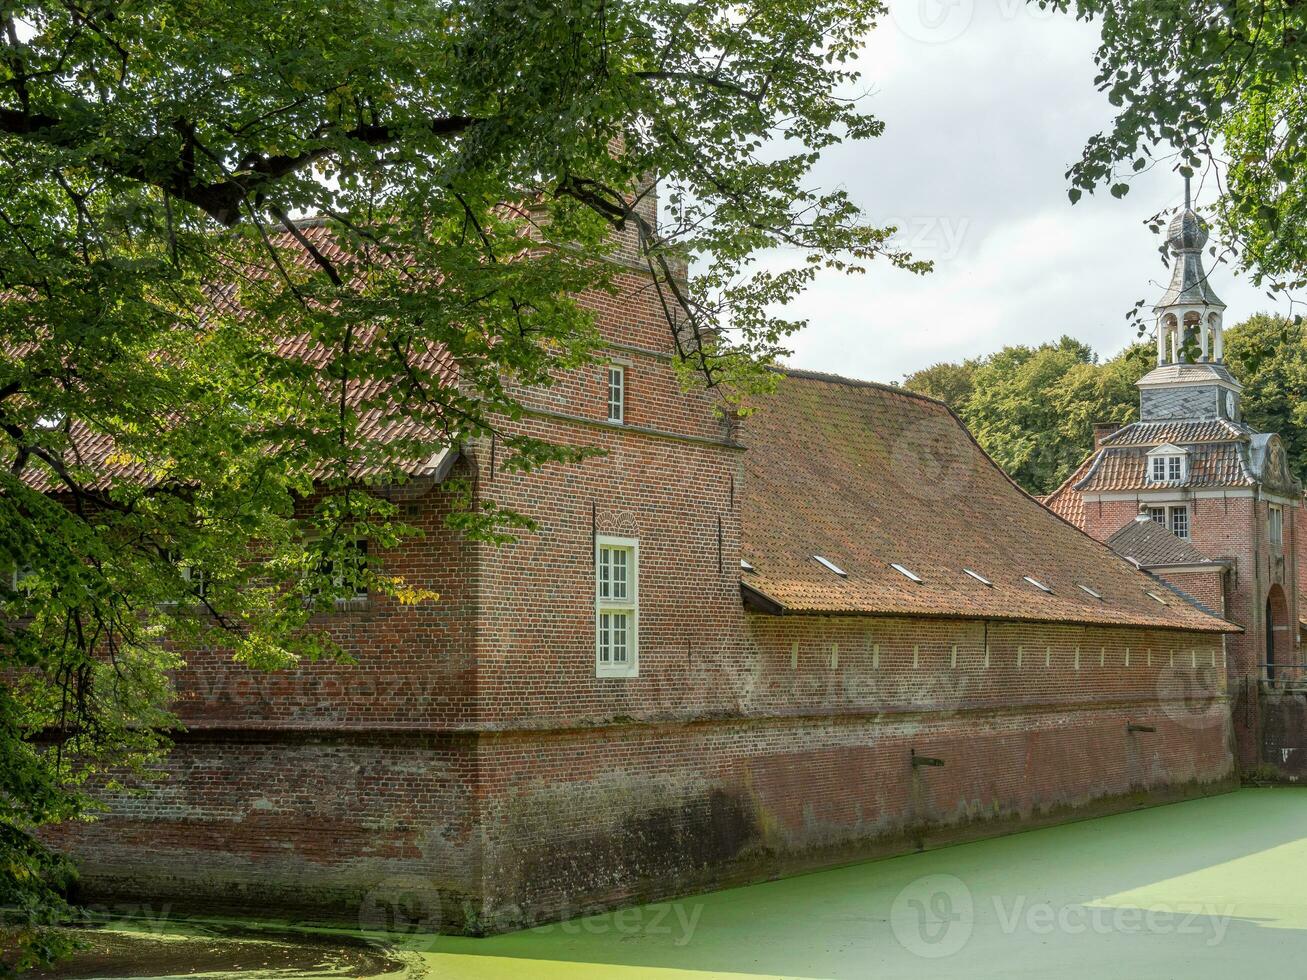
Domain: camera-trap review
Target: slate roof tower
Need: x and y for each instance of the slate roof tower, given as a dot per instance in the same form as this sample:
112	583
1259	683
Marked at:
1193	465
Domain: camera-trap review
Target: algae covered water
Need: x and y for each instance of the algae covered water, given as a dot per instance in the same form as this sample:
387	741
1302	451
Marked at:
1207	888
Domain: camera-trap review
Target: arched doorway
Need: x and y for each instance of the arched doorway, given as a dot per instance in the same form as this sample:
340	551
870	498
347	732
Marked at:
1278	637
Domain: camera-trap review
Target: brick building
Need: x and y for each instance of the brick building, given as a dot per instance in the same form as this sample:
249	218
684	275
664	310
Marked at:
832	630
1222	505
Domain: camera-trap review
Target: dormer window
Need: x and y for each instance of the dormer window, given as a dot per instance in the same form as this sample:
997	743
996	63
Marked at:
1167	464
1168	469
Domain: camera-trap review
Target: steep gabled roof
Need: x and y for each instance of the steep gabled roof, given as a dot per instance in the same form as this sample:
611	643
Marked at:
1149	543
1066	501
868	477
383	419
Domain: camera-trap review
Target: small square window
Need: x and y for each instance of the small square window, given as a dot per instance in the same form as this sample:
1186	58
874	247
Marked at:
1166	469
1157	515
350	572
22	578
616	393
193	575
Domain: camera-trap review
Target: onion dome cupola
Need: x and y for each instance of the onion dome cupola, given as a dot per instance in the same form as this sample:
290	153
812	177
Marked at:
1189	306
1176	389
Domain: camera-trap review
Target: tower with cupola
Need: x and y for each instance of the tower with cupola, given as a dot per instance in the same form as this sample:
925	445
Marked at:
1224	500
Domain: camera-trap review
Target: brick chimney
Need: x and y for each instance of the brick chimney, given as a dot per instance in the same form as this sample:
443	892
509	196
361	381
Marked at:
1102	430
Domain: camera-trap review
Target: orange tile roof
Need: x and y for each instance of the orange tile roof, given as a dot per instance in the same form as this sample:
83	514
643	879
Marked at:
383	420
867	475
1213	465
1066	501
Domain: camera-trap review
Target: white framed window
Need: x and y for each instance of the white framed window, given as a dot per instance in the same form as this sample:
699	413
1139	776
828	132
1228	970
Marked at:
1275	522
1168	464
1179	518
617	606
193	575
1167	469
616	393
349	570
1174	517
21	578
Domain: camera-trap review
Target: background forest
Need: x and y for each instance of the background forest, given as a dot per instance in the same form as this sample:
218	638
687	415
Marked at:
1034	408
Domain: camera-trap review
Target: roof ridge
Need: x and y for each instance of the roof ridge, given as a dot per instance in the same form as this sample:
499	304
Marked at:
1066	483
839	379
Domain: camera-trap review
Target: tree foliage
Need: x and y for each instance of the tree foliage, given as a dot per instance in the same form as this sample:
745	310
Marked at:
1034	408
1268	354
1218	88
472	161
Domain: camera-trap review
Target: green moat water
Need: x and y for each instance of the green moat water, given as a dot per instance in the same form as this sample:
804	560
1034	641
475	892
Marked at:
1209	888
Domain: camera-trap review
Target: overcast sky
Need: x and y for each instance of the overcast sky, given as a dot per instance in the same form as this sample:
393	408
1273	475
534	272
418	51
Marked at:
986	103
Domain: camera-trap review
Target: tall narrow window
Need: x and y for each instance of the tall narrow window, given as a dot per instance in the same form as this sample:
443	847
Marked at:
617	606
616	393
1275	518
1180	522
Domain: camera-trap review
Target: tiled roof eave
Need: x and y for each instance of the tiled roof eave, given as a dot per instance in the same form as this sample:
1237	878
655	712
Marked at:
1215	625
1093	469
1211	565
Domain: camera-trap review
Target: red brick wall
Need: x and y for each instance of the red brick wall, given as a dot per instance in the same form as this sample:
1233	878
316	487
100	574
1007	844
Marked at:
472	755
1207	587
415	667
318	824
816	765
1235	528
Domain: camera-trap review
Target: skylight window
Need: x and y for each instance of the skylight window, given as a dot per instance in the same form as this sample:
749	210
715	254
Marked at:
979	578
1155	597
905	572
745	566
1039	585
832	566
1088	591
